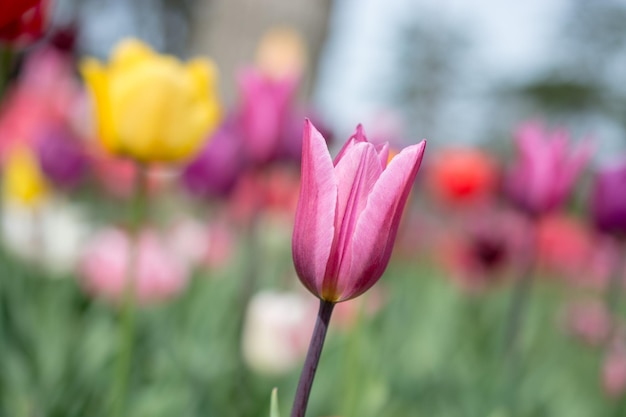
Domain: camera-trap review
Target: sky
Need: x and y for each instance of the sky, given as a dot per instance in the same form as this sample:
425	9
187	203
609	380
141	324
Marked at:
508	42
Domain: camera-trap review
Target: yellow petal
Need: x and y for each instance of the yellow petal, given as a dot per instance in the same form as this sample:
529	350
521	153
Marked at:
204	74
23	181
130	52
97	82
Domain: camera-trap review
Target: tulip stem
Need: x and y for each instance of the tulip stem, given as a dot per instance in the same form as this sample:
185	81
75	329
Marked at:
128	311
312	359
518	307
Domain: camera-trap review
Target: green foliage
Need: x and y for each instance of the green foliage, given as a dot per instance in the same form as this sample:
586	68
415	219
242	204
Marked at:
430	351
274	404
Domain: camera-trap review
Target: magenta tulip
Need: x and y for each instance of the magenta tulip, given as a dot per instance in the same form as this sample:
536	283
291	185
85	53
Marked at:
264	112
547	168
348	213
608	199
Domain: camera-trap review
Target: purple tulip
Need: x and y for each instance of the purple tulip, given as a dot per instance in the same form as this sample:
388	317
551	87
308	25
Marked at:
546	170
216	169
348	213
608	200
61	157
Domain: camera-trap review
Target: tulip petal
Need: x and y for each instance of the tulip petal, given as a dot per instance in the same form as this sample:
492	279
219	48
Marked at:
97	81
383	154
357	137
375	232
314	227
203	73
356	174
129	53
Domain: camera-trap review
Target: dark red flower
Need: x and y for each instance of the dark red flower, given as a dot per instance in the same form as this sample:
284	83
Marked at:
22	21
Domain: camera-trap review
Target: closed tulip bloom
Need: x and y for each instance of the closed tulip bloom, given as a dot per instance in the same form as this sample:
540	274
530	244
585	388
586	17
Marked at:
547	169
152	107
608	201
265	111
348	212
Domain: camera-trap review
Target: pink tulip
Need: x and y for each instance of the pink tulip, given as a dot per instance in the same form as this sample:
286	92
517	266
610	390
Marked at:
348	212
547	168
265	111
158	274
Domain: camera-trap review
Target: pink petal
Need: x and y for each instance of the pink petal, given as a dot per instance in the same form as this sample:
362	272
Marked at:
356	175
357	137
375	233
314	228
383	154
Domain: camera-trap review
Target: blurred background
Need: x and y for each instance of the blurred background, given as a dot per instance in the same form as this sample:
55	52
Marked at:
456	326
448	71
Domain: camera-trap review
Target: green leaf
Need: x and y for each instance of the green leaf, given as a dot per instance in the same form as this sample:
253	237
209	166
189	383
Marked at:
274	404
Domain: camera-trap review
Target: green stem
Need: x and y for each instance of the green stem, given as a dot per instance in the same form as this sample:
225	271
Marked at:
127	326
517	313
6	63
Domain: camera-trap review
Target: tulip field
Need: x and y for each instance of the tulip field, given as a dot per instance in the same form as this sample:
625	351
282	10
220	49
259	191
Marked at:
165	252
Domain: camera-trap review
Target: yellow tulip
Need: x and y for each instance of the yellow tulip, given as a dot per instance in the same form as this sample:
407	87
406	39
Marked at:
22	180
152	107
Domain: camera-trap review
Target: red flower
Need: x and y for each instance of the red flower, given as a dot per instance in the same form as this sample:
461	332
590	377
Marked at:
463	176
22	21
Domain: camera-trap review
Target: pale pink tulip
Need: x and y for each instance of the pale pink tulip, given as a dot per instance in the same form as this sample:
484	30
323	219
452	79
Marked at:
157	273
348	212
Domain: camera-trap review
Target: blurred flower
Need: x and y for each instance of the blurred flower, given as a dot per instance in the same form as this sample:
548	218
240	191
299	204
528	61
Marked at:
22	180
614	370
483	249
264	112
217	167
546	170
104	267
608	199
42	100
200	244
565	246
118	175
348	213
189	239
152	107
462	176
281	53
273	191
589	321
51	235
61	157
276	331
22	21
